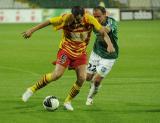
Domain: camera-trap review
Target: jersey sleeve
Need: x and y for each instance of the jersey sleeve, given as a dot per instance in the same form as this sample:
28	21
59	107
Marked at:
93	21
60	21
56	20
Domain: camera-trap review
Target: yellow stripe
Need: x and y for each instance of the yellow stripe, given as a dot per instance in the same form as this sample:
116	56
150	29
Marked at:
76	86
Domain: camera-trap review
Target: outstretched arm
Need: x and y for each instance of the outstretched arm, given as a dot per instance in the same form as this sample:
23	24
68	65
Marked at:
28	33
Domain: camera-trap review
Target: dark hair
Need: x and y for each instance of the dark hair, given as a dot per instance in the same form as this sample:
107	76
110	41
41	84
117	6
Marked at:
102	9
77	10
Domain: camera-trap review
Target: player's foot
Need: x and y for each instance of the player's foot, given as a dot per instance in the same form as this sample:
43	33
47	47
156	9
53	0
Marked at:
27	94
89	101
68	106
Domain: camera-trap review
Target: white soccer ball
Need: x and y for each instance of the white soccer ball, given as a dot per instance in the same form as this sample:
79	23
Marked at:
51	103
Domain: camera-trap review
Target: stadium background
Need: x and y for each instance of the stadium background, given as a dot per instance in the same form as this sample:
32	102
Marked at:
130	93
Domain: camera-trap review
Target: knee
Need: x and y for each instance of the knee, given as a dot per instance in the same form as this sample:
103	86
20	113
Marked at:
97	80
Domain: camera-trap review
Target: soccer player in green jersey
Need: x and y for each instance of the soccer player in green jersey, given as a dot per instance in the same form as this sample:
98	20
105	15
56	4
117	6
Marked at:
101	61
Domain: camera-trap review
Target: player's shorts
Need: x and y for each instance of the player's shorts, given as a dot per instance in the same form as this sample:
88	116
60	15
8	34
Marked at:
64	59
99	65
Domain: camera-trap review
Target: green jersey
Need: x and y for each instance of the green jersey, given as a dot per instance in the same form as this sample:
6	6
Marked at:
100	46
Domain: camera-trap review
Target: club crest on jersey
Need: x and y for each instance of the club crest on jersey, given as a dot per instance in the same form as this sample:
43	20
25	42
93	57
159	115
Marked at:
63	59
103	69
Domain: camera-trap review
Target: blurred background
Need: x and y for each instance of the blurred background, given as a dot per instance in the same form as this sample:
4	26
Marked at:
19	11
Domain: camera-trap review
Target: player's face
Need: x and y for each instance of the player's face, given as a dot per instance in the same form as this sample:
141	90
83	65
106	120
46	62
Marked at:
99	16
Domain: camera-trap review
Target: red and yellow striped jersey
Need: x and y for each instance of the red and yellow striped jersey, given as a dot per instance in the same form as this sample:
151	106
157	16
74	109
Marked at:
75	36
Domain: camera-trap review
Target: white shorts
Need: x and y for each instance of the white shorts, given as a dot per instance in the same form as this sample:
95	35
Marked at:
99	65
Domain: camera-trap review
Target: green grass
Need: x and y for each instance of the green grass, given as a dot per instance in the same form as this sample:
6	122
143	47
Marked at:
130	93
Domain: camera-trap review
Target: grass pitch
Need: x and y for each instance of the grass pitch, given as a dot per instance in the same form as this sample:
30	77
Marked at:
130	93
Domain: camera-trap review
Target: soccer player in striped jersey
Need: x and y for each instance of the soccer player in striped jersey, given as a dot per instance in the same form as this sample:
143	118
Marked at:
101	61
77	28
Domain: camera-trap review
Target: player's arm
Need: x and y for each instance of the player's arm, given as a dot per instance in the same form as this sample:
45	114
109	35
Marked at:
107	29
54	21
111	27
28	33
107	39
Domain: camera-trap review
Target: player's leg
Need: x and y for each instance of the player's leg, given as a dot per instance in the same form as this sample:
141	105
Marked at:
91	71
80	68
102	69
94	88
81	77
46	79
61	65
89	76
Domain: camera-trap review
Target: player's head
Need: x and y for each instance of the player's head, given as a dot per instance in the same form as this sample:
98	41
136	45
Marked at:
99	13
78	13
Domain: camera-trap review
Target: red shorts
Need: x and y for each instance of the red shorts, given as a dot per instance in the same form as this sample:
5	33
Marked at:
66	60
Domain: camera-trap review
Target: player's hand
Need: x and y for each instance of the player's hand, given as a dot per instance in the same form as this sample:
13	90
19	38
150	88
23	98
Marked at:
27	34
110	48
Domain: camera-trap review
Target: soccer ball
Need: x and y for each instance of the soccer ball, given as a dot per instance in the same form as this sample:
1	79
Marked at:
51	103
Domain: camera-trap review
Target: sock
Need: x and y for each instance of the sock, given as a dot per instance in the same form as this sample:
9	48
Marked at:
41	83
73	92
93	90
